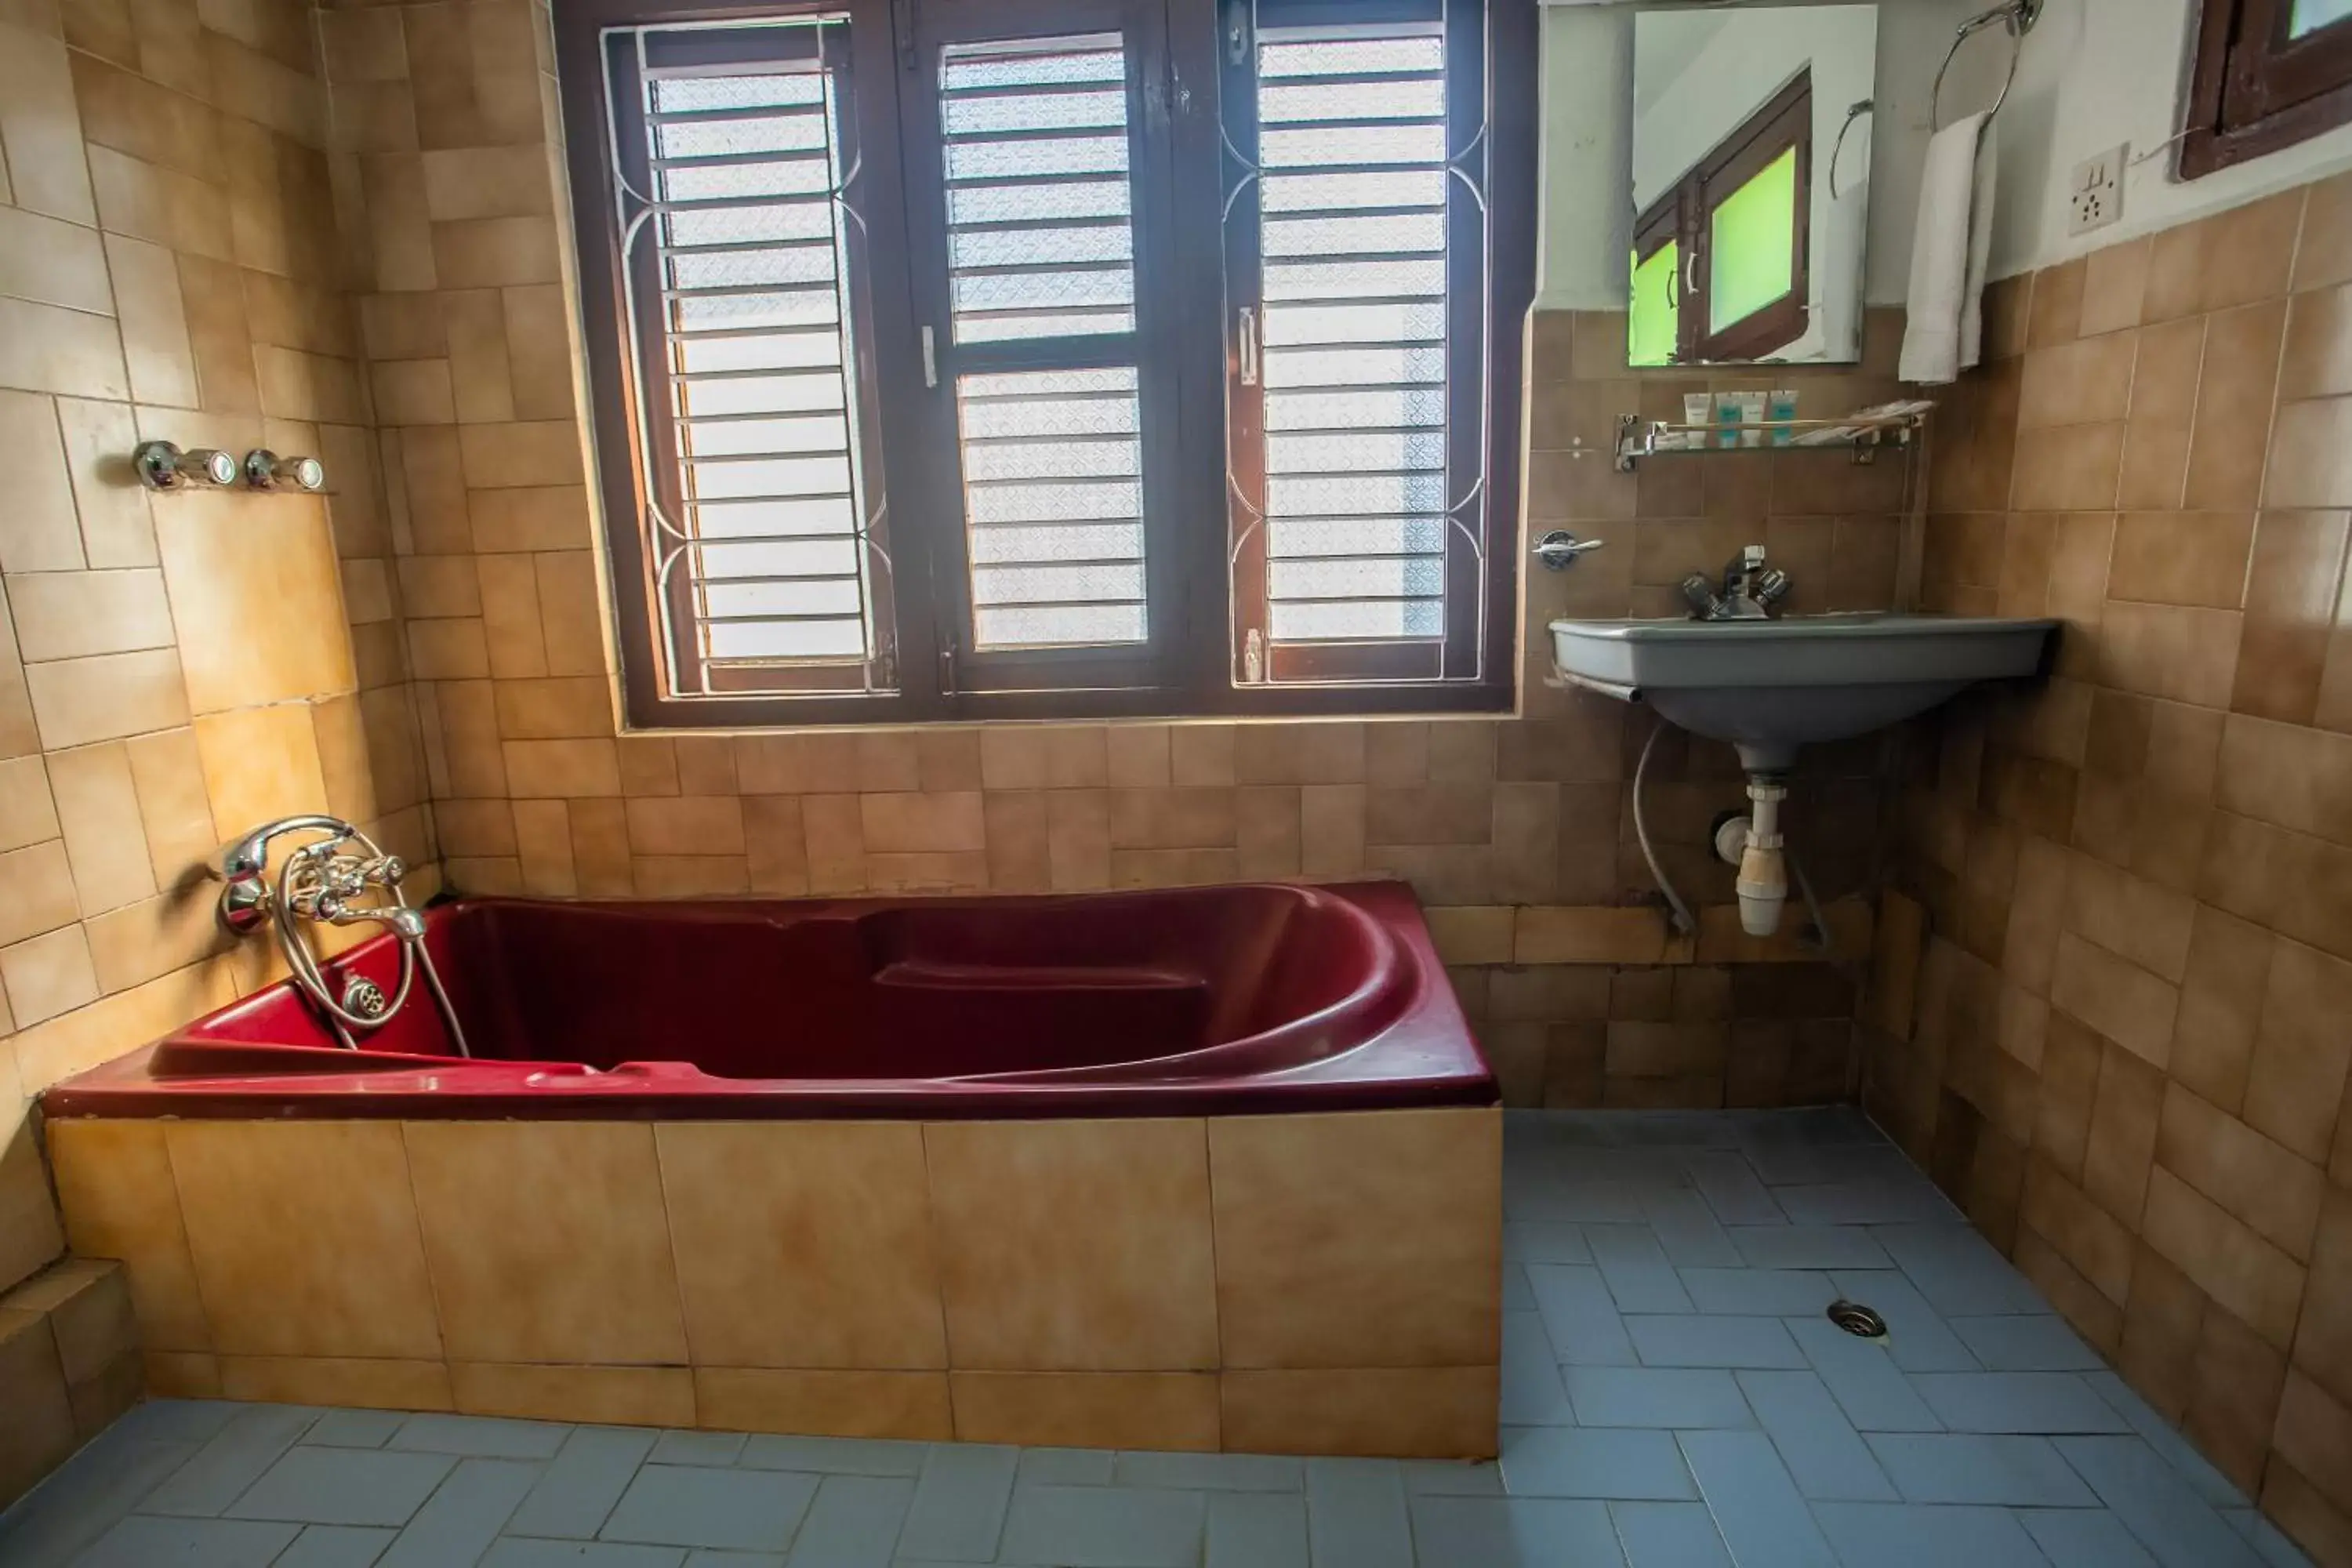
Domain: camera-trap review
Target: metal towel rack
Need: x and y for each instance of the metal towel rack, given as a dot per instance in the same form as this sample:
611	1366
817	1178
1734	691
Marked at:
2016	17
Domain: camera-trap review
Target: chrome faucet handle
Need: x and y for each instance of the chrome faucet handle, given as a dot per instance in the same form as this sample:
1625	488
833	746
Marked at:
1700	595
243	863
1749	561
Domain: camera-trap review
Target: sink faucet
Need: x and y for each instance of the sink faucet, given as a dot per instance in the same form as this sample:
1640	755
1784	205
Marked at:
1750	589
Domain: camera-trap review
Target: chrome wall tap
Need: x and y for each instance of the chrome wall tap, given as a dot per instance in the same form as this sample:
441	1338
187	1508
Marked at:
1750	589
330	880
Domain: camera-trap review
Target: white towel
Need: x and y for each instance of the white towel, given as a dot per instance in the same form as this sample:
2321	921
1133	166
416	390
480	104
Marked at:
1944	334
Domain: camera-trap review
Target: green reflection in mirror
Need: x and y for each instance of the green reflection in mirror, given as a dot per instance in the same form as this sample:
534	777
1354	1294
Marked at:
1654	320
1752	258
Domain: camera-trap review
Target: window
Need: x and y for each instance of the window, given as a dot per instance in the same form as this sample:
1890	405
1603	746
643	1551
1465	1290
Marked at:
2268	74
1719	260
959	359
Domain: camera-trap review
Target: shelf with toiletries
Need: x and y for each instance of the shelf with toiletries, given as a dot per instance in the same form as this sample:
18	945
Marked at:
1756	421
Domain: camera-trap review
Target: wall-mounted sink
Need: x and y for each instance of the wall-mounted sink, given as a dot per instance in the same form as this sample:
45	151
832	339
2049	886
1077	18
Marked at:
1771	686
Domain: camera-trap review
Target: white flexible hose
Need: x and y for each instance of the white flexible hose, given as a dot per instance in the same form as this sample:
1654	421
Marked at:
1682	915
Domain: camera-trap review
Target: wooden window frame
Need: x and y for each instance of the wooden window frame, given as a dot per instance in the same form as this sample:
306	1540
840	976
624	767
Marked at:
1684	212
1175	114
2253	91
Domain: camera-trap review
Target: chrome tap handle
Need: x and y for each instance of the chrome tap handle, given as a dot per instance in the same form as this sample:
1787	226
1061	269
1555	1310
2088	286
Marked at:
243	863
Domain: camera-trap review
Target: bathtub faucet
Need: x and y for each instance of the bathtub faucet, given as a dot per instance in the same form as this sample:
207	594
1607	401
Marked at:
329	881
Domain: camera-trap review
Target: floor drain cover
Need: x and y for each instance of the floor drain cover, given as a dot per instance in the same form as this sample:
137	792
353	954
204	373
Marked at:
1858	1320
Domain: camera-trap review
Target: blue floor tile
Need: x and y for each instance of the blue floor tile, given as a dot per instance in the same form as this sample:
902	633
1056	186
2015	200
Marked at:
1917	1337
576	1491
1759	1292
1211	1472
679	1505
1808	1246
521	1552
833	1456
1513	1532
461	1519
1656	1396
231	1461
2036	1341
1690	1339
1356	1514
2045	1401
1669	1535
852	1523
1583	1462
1105	1527
1863	1378
344	1486
354	1428
958	1513
1532	1395
2176	1525
1579	1315
335	1546
1755	1504
145	1541
1256	1530
480	1436
1972	1468
2084	1537
1868	1534
1825	1455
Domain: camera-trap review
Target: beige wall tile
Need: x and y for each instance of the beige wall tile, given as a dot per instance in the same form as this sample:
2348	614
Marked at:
155	346
802	1244
2260	1182
911	1405
547	1240
260	764
73	614
39	129
28	813
40	1432
305	1238
2227	1259
36	891
38	531
1400	1412
621	1395
175	806
1125	1283
370	1383
2295	1083
115	1187
1169	1411
257	599
98	805
1330	1253
53	263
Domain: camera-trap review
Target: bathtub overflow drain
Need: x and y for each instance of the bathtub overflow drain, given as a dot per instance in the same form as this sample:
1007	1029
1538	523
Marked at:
1858	1320
364	998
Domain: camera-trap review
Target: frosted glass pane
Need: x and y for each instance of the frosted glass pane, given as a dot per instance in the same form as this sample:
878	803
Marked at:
1360	620
744	312
1421	576
1041	290
1059	63
785	639
768	477
741	226
709	182
1345	367
732	438
1353	410
1351	57
750	268
995	585
1039	247
1106	110
1340	279
1342	454
812	598
1358	493
1074	541
1409	99
674	95
760	394
1414	144
782	351
1388	188
1335	236
1035	467
802	133
1367	323
1037	626
736	519
818	557
1028	204
1032	159
1044	324
1291	537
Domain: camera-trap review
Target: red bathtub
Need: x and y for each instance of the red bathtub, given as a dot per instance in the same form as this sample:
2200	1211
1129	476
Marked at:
1186	1002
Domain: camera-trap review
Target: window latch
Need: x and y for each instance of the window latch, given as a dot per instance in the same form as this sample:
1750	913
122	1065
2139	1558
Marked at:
931	358
1245	342
947	667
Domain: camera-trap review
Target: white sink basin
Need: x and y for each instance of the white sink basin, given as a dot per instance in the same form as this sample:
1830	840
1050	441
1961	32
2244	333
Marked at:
1769	686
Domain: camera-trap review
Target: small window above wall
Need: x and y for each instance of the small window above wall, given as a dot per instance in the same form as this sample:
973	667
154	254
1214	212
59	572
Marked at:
2268	74
973	359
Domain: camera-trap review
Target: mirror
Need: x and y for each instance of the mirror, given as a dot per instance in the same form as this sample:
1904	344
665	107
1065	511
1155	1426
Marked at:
1748	213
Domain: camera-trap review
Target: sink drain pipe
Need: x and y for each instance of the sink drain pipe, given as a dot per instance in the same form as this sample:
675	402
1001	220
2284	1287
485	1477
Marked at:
1763	884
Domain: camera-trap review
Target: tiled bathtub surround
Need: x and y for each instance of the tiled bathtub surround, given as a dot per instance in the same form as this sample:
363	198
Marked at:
1303	1284
1672	1397
171	669
68	1365
2133	1016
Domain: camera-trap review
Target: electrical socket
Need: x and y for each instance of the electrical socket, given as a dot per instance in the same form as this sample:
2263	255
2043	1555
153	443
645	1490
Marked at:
2094	196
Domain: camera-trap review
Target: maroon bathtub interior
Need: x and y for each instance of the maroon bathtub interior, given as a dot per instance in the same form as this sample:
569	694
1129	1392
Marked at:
1184	1002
